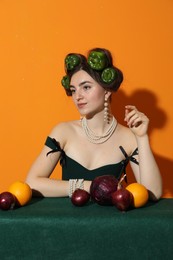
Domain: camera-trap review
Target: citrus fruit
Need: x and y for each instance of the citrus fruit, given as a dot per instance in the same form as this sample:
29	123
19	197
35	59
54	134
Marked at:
21	191
140	194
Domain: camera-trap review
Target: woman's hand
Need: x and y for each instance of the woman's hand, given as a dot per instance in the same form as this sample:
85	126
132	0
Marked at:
136	121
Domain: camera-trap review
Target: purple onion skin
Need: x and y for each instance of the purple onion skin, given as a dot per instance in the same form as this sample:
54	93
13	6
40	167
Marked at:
7	200
101	189
80	197
122	199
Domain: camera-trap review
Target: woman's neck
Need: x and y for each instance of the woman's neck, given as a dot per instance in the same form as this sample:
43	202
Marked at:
97	123
98	132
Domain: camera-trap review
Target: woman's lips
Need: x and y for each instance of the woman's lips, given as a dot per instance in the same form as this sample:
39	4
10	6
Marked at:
81	105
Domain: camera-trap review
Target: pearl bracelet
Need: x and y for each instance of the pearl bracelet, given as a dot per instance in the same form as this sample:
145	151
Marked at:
75	184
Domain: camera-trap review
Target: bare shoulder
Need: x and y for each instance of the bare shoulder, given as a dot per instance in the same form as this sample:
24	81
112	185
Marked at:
66	126
126	137
124	129
62	131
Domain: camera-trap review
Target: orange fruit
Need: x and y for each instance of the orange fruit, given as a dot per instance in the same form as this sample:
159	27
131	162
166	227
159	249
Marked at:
139	193
21	191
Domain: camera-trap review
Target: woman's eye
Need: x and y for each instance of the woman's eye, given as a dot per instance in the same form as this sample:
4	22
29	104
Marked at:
72	90
86	87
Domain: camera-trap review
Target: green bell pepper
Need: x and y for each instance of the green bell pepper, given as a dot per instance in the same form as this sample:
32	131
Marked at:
66	82
71	61
109	75
97	60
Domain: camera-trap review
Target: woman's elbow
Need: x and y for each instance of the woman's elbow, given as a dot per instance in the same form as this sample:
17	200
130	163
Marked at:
32	182
155	195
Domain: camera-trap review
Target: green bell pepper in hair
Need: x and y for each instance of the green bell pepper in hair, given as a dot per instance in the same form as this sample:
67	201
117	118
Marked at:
109	75
66	82
71	61
97	60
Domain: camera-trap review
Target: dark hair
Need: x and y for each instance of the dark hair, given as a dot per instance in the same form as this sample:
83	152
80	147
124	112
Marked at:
96	74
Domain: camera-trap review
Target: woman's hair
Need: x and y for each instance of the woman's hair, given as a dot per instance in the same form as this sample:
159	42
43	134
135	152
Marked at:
98	64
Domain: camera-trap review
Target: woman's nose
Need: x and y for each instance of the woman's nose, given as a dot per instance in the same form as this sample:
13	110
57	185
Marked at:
78	95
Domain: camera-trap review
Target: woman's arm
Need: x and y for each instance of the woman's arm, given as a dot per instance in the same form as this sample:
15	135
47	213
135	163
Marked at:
148	172
39	173
38	177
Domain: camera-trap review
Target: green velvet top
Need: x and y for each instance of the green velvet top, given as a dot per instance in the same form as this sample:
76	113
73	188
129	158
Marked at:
71	169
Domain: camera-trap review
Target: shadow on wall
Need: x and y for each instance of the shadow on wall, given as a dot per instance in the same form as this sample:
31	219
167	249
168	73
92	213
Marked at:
146	102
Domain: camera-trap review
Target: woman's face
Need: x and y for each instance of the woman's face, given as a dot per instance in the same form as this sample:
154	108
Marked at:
87	94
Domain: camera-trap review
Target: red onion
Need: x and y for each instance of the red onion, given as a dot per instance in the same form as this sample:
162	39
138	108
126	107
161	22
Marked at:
122	199
101	189
80	197
7	200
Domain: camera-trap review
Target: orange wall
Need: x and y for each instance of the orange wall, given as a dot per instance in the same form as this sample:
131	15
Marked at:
35	35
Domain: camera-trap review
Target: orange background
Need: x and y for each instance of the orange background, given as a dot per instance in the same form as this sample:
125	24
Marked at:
35	35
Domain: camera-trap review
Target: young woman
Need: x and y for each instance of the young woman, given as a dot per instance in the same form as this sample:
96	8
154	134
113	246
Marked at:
96	144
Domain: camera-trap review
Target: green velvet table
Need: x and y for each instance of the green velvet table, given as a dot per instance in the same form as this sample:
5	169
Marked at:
53	228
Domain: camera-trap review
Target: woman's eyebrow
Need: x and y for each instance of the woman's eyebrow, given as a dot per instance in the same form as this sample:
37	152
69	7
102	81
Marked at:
84	82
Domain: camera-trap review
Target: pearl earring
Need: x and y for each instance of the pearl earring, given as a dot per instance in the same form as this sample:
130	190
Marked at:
106	111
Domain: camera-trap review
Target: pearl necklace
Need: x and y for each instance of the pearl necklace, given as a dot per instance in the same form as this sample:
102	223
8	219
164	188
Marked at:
98	139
